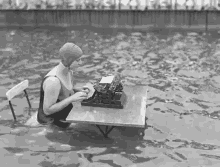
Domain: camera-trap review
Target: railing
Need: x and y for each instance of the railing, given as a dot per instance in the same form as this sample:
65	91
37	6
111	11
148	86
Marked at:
203	20
109	4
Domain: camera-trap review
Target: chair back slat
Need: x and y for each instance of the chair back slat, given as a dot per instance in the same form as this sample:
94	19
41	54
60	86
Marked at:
17	89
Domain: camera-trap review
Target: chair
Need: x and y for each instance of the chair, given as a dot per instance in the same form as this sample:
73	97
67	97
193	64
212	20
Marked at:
17	89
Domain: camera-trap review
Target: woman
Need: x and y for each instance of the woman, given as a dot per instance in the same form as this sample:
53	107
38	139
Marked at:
57	92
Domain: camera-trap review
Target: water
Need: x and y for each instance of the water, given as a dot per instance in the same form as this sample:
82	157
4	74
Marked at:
181	70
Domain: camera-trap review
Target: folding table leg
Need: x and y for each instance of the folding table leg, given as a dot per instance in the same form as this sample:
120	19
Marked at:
100	130
142	132
106	133
107	130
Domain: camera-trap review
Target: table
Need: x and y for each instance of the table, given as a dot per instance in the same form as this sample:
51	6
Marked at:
132	115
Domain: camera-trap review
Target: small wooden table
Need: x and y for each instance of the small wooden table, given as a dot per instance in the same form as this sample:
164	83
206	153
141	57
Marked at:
132	115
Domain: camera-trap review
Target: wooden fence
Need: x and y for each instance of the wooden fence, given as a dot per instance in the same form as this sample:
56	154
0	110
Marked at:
203	20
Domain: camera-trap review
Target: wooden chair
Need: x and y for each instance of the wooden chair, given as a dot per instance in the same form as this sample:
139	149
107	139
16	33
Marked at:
17	89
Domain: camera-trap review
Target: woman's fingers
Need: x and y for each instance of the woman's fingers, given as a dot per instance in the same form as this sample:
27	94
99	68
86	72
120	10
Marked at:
85	87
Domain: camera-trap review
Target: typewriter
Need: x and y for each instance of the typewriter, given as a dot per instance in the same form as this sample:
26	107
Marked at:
108	94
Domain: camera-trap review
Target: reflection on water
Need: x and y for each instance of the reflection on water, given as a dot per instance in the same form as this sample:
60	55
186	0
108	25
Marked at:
181	70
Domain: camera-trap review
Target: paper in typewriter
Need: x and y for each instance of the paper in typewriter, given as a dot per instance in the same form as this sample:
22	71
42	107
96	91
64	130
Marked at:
107	79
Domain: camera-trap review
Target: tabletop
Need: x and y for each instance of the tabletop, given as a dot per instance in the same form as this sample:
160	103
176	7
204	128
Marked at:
133	113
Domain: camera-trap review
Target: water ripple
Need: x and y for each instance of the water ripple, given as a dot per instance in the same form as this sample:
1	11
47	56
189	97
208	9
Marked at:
180	69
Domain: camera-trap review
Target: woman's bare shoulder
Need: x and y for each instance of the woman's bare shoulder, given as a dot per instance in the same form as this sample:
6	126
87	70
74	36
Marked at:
51	82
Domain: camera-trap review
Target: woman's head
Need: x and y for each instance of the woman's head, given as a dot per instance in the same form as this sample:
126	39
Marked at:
69	52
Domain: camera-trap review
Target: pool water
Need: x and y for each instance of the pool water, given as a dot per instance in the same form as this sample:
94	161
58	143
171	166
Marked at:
181	70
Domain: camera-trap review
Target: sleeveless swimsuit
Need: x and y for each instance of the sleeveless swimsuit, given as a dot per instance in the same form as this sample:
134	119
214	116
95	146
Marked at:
44	119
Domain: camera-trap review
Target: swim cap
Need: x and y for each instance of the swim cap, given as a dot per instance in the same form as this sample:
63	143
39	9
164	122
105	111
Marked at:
70	49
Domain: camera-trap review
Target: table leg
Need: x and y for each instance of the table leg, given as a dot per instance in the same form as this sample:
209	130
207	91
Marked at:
100	130
142	132
110	130
107	130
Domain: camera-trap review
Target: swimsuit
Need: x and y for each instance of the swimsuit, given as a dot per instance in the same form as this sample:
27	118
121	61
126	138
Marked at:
54	118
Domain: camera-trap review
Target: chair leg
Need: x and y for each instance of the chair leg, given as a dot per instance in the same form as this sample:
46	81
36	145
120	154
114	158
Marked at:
12	110
27	98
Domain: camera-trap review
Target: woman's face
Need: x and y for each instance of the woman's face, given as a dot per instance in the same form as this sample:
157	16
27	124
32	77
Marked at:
76	63
71	60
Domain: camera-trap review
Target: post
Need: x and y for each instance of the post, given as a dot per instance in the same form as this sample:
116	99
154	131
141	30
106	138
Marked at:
12	110
90	17
206	23
146	5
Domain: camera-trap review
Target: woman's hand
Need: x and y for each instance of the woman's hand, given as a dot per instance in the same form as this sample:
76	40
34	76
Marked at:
85	89
78	96
89	89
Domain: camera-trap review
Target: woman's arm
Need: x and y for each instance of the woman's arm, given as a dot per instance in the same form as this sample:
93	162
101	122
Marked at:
75	89
52	88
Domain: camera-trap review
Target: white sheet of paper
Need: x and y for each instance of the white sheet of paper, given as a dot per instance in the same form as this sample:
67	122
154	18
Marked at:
107	79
